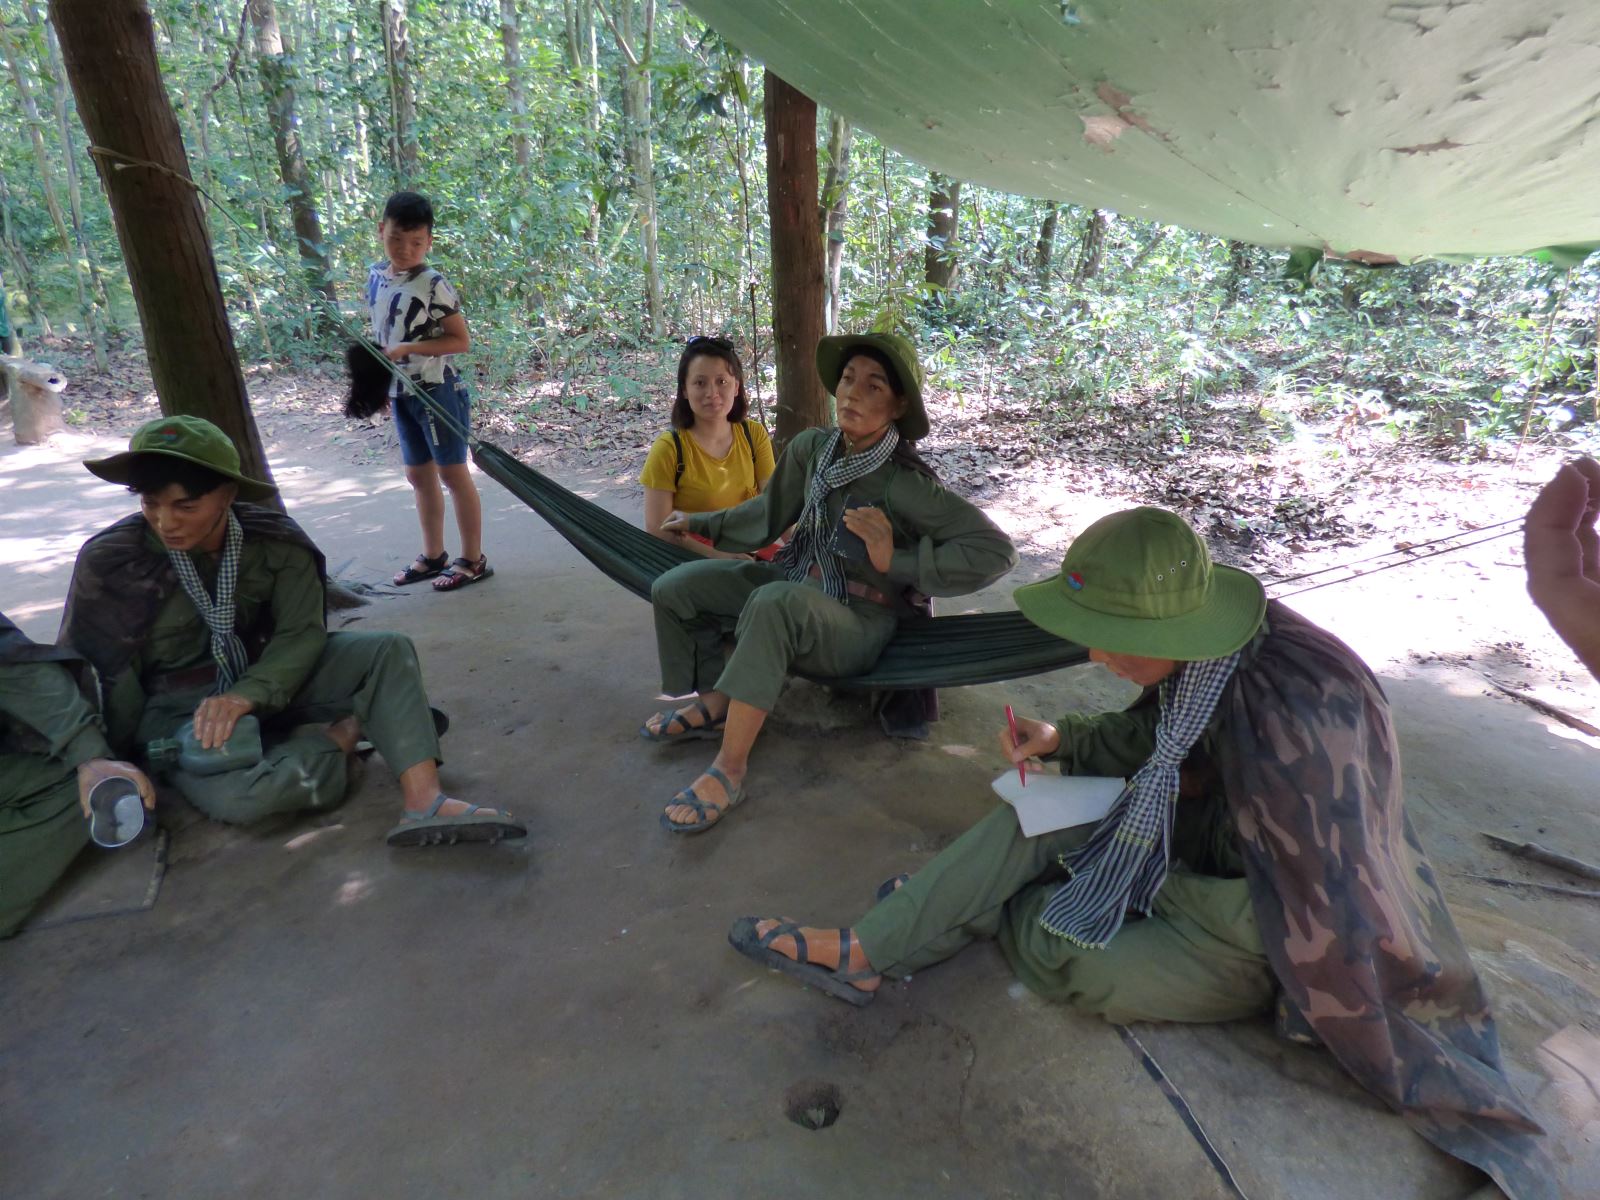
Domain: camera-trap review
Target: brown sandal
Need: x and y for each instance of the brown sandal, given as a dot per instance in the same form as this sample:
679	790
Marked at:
461	572
422	568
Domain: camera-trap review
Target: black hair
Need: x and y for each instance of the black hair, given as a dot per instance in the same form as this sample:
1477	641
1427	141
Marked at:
708	347
891	372
409	210
151	473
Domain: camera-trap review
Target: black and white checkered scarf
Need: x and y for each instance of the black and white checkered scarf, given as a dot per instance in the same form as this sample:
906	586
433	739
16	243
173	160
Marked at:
218	614
1124	862
812	544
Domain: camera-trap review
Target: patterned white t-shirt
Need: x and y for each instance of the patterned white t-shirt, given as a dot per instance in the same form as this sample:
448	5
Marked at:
410	307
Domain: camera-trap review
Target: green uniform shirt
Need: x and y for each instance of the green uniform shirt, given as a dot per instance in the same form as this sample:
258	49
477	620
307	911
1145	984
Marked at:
278	592
47	729
943	545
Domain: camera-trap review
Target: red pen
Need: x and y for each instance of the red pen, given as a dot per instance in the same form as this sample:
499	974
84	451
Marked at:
1016	740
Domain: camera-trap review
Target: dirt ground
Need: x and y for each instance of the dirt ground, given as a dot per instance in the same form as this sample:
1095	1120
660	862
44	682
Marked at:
305	1012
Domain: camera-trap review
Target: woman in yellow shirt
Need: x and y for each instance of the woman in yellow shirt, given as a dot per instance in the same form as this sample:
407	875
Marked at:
713	457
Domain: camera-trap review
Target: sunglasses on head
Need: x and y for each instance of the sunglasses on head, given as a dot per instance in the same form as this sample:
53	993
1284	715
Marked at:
710	343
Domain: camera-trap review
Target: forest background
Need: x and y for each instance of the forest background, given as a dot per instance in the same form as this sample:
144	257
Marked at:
598	167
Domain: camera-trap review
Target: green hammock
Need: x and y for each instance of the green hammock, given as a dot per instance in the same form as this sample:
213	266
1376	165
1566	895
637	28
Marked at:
926	652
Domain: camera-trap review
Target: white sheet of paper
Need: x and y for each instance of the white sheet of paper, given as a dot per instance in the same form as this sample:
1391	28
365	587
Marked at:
1052	802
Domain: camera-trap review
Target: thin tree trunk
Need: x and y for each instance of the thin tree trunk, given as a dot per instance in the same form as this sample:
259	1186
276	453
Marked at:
402	100
278	88
109	50
47	184
511	41
352	59
19	259
835	206
636	111
939	257
65	125
797	291
203	141
1238	268
1044	249
1149	248
1094	244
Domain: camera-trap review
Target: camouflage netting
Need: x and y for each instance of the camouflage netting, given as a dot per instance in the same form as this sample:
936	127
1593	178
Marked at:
1364	128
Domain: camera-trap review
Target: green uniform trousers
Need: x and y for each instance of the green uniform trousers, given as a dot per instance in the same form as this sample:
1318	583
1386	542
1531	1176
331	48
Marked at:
777	625
1197	957
44	832
374	676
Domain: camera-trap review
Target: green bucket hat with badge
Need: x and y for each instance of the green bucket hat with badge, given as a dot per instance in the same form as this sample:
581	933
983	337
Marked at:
192	439
833	352
1142	582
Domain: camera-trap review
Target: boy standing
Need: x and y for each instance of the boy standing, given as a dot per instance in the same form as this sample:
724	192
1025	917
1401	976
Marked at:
417	322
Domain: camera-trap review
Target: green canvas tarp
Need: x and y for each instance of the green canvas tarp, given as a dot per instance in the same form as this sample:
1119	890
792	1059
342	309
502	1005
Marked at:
1363	128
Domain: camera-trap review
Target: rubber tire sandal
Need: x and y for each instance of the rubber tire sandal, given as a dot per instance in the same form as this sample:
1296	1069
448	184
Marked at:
688	798
477	824
711	727
429	567
835	981
463	572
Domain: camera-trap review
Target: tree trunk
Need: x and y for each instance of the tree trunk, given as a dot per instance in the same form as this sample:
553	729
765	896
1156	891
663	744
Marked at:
835	206
636	114
277	86
47	184
1238	268
1149	248
797	293
19	259
511	42
110	54
1044	249
1094	244
402	101
69	150
939	259
352	59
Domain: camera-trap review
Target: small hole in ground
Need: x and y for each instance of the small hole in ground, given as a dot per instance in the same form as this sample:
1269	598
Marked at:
812	1105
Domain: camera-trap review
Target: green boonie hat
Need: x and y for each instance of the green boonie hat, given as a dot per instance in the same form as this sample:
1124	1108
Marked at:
833	352
1142	582
194	440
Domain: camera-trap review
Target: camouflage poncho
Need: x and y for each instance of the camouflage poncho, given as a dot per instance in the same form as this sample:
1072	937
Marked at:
1354	925
120	583
17	647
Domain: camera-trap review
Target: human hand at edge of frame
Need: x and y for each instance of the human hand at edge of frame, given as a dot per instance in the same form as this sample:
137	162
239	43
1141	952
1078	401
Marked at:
872	527
1038	739
97	770
1562	555
216	716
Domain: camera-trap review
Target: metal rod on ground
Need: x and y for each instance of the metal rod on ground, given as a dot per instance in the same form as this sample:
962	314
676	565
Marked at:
1550	858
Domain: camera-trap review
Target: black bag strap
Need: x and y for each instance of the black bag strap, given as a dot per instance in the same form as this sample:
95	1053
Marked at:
677	446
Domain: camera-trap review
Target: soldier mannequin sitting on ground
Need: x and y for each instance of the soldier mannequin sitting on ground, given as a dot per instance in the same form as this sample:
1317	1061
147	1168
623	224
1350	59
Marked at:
1258	859
203	607
53	751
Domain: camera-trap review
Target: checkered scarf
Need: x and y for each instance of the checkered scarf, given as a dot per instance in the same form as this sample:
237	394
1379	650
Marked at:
812	544
226	646
1124	862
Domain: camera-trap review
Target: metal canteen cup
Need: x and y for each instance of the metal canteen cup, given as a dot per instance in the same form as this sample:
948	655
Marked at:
116	813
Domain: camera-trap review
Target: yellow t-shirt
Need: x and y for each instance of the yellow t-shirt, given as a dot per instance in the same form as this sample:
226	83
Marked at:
709	484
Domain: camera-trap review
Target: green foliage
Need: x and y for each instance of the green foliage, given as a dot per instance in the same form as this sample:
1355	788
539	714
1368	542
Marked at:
550	263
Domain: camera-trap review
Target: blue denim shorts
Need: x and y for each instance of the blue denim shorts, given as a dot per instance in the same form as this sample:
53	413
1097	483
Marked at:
423	437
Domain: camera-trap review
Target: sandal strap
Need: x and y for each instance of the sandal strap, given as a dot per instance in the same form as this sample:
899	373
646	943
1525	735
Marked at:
689	799
433	811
